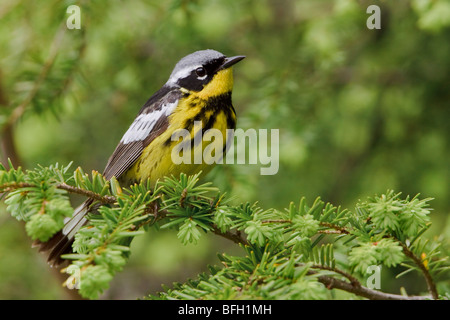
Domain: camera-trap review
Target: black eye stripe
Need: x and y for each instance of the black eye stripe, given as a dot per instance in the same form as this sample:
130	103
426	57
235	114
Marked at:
201	75
194	82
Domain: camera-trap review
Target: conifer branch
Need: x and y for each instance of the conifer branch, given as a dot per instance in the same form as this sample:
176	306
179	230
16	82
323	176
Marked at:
334	283
10	186
336	229
87	193
429	280
236	237
355	282
283	249
355	287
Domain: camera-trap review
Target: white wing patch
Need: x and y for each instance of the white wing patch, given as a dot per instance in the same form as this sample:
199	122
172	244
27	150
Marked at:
144	123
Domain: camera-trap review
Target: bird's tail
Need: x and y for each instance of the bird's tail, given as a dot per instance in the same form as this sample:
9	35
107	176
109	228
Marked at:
61	242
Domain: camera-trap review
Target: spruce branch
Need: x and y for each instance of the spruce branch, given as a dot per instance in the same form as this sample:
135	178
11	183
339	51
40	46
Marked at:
10	186
334	283
429	280
236	237
354	286
289	254
87	193
354	281
333	228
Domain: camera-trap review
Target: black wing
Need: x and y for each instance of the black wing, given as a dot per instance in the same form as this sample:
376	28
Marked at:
151	121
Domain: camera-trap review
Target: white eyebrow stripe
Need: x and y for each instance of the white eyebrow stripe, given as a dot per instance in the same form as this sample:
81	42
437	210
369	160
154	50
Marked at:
183	73
143	125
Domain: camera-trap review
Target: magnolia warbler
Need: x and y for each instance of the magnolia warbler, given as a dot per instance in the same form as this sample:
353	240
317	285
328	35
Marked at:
199	89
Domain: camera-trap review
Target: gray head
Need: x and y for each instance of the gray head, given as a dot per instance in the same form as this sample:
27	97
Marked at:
195	70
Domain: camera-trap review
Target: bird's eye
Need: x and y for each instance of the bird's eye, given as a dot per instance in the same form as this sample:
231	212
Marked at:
201	72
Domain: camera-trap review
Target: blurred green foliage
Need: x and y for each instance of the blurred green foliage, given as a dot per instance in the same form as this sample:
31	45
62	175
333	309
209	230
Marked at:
359	111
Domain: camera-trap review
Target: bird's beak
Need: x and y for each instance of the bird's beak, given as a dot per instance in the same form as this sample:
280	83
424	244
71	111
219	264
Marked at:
231	61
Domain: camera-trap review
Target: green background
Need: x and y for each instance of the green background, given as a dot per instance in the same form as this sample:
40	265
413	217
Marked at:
359	111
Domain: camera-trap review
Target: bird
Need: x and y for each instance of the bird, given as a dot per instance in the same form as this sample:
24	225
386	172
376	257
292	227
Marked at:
198	91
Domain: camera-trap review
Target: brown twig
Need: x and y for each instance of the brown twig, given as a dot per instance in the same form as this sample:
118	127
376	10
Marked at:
334	283
235	237
8	187
429	280
336	229
355	282
87	193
